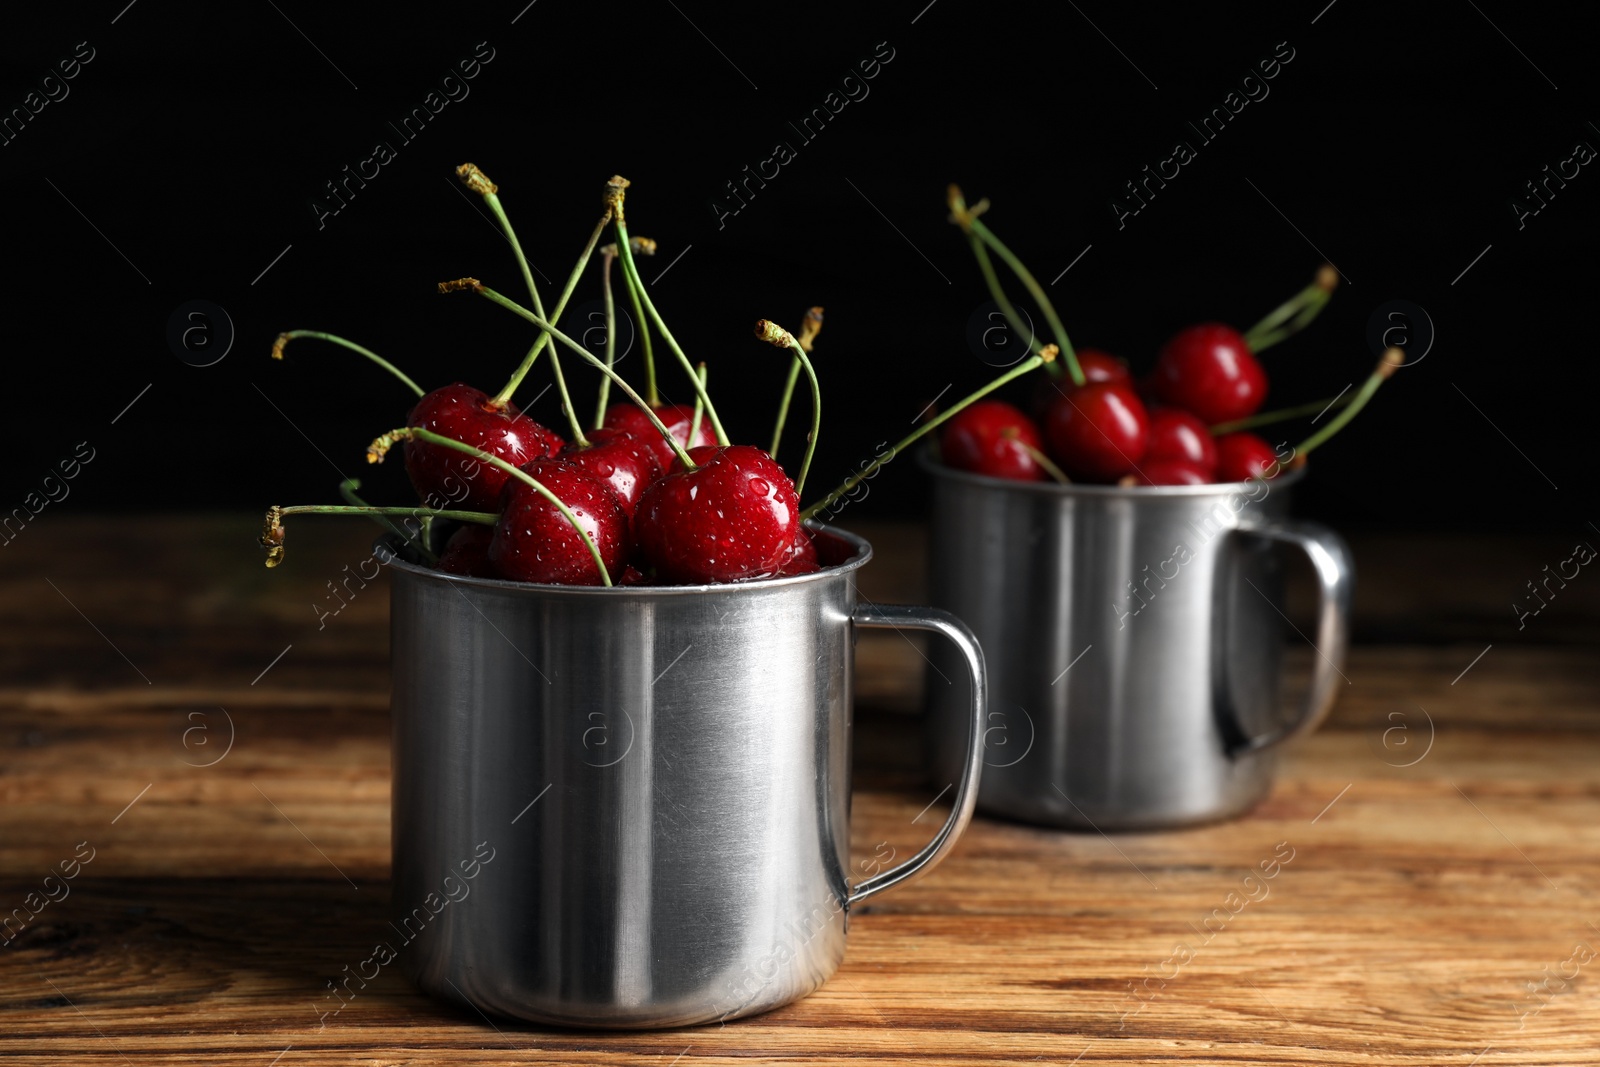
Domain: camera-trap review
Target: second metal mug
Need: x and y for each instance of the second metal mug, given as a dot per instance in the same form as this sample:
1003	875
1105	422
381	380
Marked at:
631	807
1134	643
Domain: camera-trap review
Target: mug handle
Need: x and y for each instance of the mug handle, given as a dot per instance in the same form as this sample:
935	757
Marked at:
1330	560
897	617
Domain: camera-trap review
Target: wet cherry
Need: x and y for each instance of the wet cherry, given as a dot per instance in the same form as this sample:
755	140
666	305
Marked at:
677	418
620	459
1099	432
733	518
1178	435
534	542
992	437
1209	370
1170	472
467	552
802	555
443	477
1241	456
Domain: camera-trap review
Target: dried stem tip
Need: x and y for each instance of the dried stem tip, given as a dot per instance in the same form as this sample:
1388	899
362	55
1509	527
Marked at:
1393	359
641	246
960	213
278	345
1327	278
272	535
459	284
774	334
380	445
810	326
616	191
476	180
1048	353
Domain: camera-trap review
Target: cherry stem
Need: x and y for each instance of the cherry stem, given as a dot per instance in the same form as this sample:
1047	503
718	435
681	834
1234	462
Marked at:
607	255
632	271
380	446
810	326
347	489
511	305
486	518
645	247
776	335
699	407
504	396
1044	461
967	219
1027	365
1392	360
284	338
1301	308
1266	418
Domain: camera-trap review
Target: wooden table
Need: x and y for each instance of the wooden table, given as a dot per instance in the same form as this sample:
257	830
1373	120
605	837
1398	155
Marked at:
1429	912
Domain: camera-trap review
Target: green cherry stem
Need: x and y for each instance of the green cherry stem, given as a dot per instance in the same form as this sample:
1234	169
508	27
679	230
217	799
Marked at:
347	489
607	255
967	219
381	445
272	532
645	247
511	305
1267	418
1393	359
1027	365
632	271
1294	314
486	518
699	408
284	338
776	335
504	396
1044	461
810	326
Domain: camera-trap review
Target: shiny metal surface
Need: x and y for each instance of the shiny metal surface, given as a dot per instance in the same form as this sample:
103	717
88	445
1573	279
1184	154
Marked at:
1133	641
649	786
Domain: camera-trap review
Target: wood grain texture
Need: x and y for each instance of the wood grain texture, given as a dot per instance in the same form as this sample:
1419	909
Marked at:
1418	906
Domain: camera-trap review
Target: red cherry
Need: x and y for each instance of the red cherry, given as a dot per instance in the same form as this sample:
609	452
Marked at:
1099	432
619	459
467	552
733	518
1097	366
444	477
1171	472
1178	435
677	418
802	555
1209	369
633	576
534	542
989	438
1241	456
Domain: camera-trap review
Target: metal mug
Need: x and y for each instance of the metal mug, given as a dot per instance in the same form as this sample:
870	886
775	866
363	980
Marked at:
1134	641
650	788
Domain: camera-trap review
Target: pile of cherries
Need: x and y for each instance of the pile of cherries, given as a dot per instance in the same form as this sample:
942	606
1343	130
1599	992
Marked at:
649	496
1092	422
1111	429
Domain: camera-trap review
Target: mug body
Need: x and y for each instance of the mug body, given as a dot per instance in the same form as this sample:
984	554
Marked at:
623	807
1133	639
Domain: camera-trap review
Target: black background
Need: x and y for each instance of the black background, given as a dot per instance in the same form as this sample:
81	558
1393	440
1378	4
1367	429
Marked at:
197	137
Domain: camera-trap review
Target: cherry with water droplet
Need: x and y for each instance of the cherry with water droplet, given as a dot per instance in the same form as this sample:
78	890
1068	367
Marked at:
534	542
733	518
443	477
620	459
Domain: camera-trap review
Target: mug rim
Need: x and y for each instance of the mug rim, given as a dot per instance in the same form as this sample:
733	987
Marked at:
858	559
932	464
